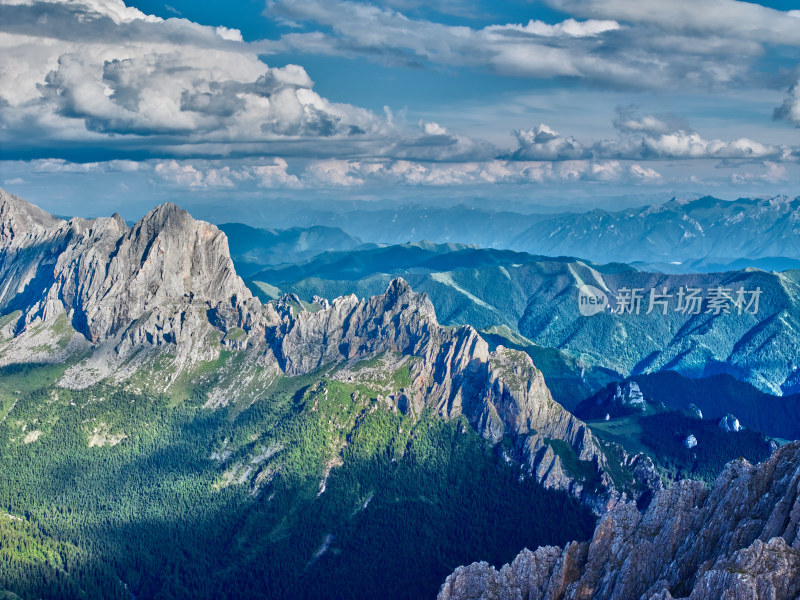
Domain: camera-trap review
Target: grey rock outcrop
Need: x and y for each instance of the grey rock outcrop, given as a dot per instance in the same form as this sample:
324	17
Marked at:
125	287
629	395
730	423
501	392
399	321
105	274
738	539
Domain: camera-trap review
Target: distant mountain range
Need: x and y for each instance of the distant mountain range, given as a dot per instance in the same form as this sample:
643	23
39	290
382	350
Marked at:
702	235
705	233
252	248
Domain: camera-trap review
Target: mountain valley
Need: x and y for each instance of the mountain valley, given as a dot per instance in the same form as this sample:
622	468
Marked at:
168	431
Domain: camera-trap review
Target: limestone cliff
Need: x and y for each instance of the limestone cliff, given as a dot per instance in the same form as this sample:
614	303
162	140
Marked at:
501	393
739	539
119	288
105	274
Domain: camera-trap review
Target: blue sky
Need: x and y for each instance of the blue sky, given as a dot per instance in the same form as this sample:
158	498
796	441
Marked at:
110	106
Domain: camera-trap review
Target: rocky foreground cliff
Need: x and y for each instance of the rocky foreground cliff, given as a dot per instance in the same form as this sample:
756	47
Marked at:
162	298
740	539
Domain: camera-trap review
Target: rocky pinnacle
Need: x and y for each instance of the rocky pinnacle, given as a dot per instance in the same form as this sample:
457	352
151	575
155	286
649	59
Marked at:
739	539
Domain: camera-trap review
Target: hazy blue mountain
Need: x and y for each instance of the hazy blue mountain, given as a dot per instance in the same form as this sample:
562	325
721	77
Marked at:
715	265
706	230
703	235
760	348
252	249
793	274
415	222
488	299
355	265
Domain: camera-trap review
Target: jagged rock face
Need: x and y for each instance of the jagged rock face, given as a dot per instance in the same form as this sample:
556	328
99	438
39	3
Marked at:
30	243
399	321
105	275
501	393
517	391
629	394
165	256
739	539
453	373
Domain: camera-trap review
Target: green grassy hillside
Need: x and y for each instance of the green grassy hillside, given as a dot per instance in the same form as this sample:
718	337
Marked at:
315	490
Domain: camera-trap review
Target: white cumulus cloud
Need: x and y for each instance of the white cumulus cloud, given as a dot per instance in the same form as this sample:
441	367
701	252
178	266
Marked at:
642	137
544	143
99	70
790	109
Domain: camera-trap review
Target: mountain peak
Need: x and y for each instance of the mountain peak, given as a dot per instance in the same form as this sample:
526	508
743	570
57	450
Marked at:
168	212
168	208
117	218
15	211
397	287
108	277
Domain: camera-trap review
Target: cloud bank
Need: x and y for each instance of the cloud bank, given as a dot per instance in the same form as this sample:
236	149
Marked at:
196	107
99	71
643	137
622	44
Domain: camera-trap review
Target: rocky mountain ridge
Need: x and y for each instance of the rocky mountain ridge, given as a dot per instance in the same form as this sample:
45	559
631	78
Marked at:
537	297
738	539
165	289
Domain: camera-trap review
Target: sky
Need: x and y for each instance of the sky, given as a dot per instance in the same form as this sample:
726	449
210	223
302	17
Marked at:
229	107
